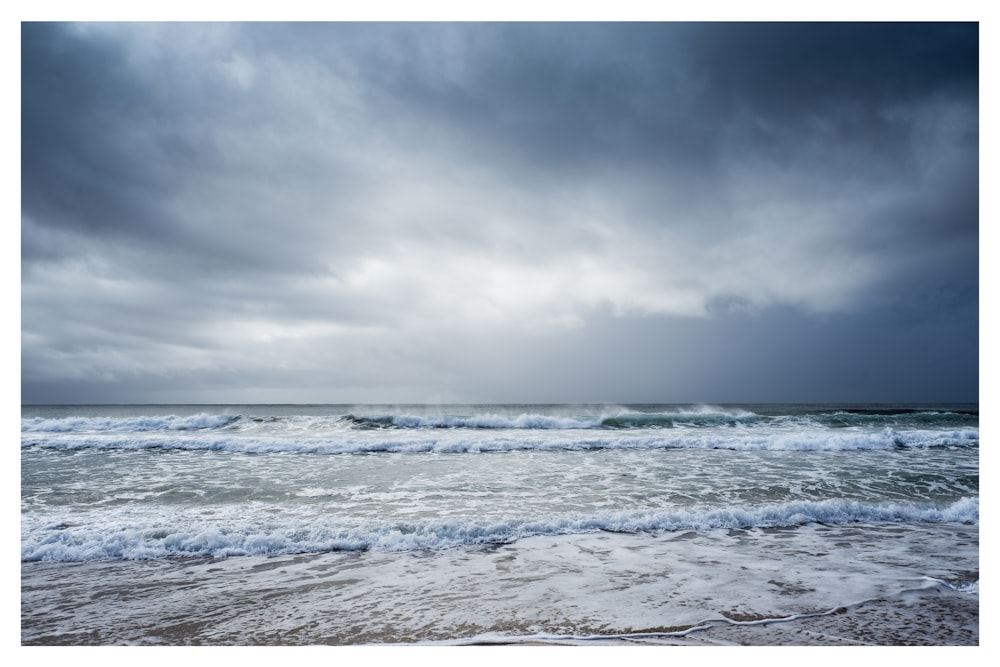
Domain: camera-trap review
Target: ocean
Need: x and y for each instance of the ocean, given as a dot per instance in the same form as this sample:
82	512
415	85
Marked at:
500	524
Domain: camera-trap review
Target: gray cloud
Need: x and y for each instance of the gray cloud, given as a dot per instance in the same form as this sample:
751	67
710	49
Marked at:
347	212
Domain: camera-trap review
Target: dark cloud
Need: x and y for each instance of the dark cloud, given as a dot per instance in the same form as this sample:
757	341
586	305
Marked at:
790	69
452	211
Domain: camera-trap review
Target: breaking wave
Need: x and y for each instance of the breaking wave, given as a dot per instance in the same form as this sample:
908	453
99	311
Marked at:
140	424
177	536
457	443
610	419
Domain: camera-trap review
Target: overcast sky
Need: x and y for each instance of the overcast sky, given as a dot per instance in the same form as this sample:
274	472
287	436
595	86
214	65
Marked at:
499	212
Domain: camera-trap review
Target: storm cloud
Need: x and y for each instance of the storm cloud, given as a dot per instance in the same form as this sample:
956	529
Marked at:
356	212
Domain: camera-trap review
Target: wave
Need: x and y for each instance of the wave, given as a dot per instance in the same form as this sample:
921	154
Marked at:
706	417
64	542
140	424
483	421
459	443
847	418
623	420
488	420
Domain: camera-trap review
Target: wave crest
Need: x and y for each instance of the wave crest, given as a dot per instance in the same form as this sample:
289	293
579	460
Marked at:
90	424
459	442
607	419
195	538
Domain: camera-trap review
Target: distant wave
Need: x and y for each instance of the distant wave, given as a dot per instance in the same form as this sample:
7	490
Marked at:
700	417
483	421
88	424
896	417
457	443
178	536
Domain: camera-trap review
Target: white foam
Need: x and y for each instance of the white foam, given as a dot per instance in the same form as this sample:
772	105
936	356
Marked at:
185	436
90	424
118	535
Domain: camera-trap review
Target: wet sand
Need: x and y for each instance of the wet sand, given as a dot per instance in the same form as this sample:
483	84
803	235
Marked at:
932	619
687	590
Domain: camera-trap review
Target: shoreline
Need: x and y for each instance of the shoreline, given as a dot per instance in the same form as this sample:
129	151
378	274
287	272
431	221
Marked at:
576	590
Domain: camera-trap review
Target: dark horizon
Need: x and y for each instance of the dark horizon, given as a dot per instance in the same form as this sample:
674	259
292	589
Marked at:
849	404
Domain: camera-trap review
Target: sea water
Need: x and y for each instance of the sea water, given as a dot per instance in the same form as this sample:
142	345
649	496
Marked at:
321	524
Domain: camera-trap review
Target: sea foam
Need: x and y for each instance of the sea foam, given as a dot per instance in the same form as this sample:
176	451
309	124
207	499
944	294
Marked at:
140	424
190	535
191	438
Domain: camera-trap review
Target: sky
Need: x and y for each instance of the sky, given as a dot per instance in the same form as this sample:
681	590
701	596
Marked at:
499	212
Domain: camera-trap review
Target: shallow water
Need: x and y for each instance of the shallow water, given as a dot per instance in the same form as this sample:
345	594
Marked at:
686	587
